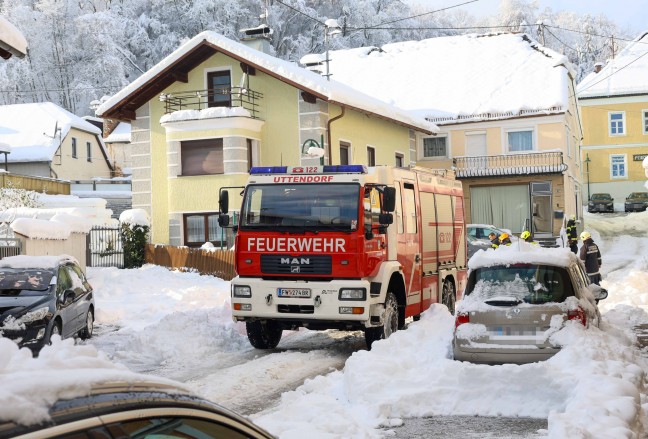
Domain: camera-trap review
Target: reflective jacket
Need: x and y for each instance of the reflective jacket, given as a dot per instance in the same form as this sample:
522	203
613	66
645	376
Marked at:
572	234
591	255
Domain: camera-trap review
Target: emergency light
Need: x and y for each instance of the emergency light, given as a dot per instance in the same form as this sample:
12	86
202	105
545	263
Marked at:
328	169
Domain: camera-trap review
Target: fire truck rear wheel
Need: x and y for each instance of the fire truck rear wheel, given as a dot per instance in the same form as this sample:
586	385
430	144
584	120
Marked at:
449	296
264	334
390	322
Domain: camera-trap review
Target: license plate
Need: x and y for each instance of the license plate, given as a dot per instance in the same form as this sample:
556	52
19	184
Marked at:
293	292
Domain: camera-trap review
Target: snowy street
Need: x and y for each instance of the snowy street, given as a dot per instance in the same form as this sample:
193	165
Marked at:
178	325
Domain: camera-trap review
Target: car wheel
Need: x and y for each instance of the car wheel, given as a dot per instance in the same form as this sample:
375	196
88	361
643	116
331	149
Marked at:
390	322
87	331
264	334
448	296
56	330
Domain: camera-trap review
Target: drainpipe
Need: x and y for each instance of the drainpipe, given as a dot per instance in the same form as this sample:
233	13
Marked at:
328	134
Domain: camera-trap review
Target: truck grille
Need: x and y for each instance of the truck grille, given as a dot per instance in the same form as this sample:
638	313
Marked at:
296	309
288	264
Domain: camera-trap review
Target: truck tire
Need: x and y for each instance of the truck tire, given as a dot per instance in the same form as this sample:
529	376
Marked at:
264	334
390	322
449	297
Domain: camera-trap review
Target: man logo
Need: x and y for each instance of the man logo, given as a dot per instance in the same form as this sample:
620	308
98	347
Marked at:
295	261
294	269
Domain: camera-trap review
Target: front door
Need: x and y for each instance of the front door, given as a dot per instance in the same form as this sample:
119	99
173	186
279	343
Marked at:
541	211
409	248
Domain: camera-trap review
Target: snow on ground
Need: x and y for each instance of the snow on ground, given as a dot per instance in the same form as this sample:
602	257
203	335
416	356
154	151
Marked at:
178	325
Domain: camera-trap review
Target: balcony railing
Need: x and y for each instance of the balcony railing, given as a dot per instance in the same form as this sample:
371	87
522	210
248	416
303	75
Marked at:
511	164
200	99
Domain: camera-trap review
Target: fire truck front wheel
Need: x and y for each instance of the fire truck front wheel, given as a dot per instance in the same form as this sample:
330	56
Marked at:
264	334
390	322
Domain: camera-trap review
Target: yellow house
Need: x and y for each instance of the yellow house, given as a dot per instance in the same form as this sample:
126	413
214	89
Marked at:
215	107
507	117
614	110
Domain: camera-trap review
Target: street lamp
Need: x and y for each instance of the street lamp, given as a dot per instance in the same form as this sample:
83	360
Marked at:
331	28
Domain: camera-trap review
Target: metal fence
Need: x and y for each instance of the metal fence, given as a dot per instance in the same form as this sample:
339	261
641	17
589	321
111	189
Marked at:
10	247
104	247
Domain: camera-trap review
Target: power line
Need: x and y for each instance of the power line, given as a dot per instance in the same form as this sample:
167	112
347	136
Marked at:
300	12
612	74
420	15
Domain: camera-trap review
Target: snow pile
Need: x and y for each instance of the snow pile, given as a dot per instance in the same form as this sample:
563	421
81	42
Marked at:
207	113
521	253
135	217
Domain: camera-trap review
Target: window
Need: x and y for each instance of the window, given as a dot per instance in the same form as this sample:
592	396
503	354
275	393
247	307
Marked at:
250	156
409	203
520	140
435	147
219	88
617	123
74	148
644	118
177	427
345	149
202	157
569	141
89	149
371	156
400	160
200	228
618	166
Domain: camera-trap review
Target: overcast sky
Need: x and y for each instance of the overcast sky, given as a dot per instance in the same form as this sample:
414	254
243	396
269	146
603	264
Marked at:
632	14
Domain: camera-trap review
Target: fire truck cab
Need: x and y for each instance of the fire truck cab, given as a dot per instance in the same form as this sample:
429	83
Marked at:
345	247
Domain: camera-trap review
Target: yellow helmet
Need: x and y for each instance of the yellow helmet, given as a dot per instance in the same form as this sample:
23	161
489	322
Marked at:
585	235
525	234
503	236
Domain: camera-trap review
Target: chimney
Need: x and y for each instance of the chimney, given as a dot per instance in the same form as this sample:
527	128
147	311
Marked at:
258	38
597	67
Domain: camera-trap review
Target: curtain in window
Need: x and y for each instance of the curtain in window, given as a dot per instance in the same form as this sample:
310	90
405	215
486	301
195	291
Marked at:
215	231
520	141
202	157
434	147
195	229
503	206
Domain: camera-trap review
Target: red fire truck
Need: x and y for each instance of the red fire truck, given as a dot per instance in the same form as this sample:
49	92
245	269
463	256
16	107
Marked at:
345	247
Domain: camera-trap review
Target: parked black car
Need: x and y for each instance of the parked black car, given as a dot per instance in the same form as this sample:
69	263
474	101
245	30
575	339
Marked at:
636	202
148	409
41	296
600	203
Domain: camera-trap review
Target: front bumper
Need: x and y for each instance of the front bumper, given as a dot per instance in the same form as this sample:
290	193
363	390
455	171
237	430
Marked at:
600	208
635	207
322	309
32	337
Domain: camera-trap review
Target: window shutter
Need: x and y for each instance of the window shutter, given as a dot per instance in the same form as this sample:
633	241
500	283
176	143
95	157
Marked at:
202	157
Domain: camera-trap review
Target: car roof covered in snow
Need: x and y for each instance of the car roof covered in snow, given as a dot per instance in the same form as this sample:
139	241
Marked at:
522	253
26	261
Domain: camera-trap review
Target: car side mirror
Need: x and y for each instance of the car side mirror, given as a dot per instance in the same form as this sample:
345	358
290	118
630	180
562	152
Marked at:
598	292
67	297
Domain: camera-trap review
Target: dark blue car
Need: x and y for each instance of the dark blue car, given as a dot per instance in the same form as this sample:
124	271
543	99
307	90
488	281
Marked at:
43	296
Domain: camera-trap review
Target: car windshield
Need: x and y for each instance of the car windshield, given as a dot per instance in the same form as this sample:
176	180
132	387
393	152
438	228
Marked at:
601	197
643	195
14	282
317	206
528	283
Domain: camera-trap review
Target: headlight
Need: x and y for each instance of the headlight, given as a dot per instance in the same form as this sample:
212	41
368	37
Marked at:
241	291
29	317
353	294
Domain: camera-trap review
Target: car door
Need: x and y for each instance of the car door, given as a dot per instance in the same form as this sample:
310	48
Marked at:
82	294
65	303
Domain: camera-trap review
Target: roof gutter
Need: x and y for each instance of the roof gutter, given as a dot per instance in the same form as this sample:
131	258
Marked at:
328	133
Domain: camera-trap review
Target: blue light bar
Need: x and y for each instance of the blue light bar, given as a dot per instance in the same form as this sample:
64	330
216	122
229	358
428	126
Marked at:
257	170
347	169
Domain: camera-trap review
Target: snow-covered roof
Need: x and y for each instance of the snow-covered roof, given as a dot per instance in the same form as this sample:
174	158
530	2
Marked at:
626	74
331	91
467	77
30	130
121	134
11	39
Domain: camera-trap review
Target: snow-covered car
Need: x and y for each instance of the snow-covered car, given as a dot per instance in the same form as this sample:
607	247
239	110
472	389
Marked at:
516	298
43	296
127	409
481	232
636	202
600	203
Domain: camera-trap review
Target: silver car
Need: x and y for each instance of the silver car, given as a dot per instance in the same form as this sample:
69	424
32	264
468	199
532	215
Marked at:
517	299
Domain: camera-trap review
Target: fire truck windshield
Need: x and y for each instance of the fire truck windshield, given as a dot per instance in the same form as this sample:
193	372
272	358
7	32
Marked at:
301	206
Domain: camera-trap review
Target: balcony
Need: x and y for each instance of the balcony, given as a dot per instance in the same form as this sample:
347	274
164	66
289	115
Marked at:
510	164
233	97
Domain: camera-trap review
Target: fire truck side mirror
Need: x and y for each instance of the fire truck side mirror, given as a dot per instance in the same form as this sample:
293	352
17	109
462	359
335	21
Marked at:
223	202
386	218
223	220
389	200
